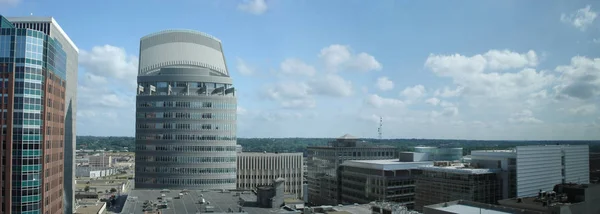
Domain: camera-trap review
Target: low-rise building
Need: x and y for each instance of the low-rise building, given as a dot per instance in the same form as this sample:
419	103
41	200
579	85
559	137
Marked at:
100	160
90	206
470	207
364	181
93	172
445	181
256	169
563	199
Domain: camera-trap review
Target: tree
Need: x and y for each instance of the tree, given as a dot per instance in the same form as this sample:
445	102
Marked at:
113	190
86	188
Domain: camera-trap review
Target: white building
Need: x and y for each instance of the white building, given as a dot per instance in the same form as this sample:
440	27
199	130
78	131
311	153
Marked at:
258	169
527	169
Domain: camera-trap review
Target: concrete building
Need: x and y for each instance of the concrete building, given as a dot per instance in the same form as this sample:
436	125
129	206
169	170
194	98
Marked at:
324	161
444	181
429	153
364	181
563	199
256	169
100	160
470	207
91	206
186	113
527	169
93	172
38	65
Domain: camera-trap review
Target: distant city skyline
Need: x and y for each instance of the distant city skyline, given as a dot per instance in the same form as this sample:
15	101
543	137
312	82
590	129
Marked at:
507	70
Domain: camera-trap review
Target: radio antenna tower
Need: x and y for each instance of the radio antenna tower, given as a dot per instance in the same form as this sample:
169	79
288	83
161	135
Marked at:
379	130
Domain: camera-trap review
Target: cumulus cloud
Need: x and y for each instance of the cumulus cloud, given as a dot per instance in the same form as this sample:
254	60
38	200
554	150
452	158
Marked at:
413	92
243	68
580	79
340	57
584	109
580	19
524	116
384	84
106	91
296	66
479	75
332	85
448	111
433	101
255	7
378	101
446	92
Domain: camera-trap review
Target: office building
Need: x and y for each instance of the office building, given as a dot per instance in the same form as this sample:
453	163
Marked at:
527	169
364	181
50	27
470	207
186	113
34	84
565	198
324	161
428	153
444	181
255	169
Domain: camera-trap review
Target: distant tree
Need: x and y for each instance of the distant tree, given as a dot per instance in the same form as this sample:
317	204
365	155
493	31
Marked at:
86	188
113	190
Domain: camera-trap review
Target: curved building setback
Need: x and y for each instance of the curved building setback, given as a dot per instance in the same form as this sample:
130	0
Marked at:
185	113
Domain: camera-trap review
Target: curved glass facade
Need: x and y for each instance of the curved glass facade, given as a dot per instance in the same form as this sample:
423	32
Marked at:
185	113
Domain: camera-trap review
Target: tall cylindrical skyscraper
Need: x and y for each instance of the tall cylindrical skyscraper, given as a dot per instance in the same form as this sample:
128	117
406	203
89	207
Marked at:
185	113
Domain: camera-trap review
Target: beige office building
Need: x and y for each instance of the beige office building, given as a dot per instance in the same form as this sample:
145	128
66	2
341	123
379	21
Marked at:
256	169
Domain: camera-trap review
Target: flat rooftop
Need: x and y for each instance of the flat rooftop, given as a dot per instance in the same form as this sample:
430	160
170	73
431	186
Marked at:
390	164
459	169
90	208
470	207
221	202
466	209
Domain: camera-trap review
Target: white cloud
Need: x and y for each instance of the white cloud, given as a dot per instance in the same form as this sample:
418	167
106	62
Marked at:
289	90
472	75
332	85
505	59
581	19
448	111
255	7
580	79
299	103
340	57
110	62
9	2
384	84
459	65
413	92
243	68
378	101
596	41
106	91
446	92
433	101
584	109
296	66
524	116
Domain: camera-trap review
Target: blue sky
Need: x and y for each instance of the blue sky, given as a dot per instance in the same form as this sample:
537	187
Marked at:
431	69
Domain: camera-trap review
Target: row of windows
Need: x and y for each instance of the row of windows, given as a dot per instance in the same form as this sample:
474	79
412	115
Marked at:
184	181
184	137
187	115
185	171
186	126
187	104
186	159
184	84
184	148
